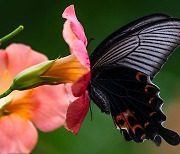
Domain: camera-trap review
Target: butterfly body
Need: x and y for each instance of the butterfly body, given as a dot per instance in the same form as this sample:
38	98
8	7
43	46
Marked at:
122	68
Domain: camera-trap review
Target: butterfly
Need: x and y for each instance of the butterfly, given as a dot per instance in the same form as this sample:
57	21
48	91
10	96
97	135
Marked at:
122	69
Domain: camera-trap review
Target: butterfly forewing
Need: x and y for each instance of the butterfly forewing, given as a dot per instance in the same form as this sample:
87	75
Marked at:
145	48
110	40
122	67
156	43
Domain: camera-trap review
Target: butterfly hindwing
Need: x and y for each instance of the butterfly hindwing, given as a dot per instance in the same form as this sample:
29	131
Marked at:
133	101
122	67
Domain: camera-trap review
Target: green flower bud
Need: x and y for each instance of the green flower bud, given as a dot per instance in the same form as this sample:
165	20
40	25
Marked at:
32	77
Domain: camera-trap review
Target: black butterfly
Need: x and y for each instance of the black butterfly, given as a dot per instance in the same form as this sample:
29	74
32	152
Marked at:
122	68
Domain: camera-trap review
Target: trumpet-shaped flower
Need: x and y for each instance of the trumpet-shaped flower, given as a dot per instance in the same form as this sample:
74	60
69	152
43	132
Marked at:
74	69
20	112
74	35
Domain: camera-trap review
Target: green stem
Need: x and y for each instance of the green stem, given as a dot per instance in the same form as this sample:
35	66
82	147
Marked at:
12	34
6	93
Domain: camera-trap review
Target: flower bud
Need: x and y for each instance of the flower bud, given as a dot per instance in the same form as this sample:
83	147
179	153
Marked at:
64	70
31	77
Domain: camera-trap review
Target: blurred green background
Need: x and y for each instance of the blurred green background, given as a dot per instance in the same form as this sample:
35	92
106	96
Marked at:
43	27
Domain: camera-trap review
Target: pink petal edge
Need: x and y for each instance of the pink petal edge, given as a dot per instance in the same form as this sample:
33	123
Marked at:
76	113
3	62
18	54
17	135
74	25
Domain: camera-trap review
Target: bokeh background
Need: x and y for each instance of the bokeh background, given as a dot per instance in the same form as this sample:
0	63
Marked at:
43	27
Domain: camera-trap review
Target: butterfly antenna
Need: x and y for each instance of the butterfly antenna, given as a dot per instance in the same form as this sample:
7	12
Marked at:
90	108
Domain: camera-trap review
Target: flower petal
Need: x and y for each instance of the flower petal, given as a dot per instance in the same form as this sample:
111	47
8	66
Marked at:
17	135
68	34
20	56
79	49
50	107
76	113
5	77
80	86
68	69
72	27
70	95
3	62
15	58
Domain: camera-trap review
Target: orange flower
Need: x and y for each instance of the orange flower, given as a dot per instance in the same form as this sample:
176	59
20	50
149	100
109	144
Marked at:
44	107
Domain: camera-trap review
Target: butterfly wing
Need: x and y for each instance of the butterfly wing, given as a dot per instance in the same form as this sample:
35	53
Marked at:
134	103
101	49
145	47
122	67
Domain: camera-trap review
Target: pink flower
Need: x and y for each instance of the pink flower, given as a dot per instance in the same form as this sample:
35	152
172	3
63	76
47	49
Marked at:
73	69
74	35
44	107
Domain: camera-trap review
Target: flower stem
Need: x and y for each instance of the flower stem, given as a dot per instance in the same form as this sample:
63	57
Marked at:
6	93
12	34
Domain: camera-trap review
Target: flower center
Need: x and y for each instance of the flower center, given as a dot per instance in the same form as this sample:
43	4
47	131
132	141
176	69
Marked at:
17	103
